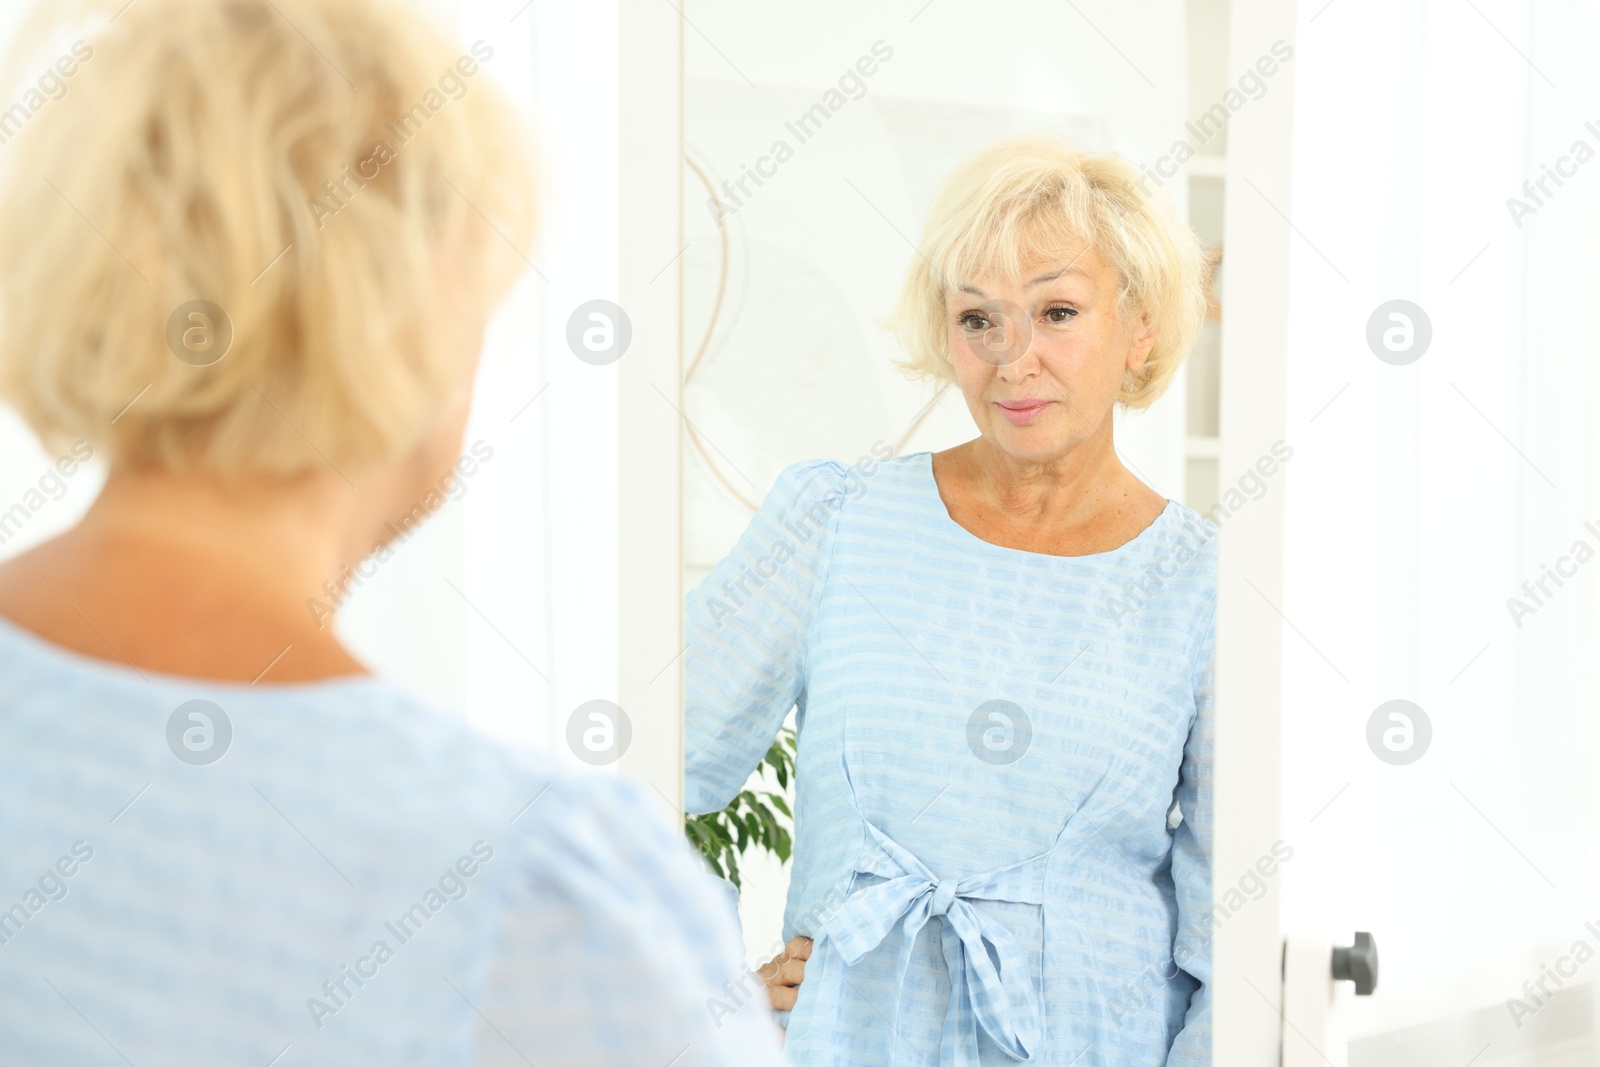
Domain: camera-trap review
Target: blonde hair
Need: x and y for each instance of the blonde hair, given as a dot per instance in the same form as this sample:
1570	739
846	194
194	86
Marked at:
1026	197
330	173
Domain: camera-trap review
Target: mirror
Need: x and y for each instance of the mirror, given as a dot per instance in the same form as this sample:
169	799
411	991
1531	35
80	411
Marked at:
1001	719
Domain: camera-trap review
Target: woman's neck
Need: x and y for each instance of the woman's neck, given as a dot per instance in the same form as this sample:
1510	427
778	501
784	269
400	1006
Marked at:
1067	490
1073	506
186	575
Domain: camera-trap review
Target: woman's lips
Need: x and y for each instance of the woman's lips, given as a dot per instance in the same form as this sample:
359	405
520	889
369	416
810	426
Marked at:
1022	412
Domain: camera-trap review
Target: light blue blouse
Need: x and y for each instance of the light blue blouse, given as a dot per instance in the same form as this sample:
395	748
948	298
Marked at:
1003	821
356	880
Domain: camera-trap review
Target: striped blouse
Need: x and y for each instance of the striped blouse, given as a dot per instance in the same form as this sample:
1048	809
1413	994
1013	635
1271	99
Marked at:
1003	797
197	873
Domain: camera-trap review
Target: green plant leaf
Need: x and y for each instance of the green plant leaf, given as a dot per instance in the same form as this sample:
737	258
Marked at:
755	819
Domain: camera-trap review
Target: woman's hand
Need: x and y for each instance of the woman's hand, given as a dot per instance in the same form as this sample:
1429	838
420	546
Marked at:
785	971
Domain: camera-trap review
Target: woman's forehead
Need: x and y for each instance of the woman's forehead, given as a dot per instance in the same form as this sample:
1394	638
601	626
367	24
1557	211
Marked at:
1032	268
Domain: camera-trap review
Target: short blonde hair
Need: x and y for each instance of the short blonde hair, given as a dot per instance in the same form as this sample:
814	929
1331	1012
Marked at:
329	173
1036	195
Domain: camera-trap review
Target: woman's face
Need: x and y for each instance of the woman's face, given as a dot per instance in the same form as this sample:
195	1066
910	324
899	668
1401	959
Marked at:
1040	358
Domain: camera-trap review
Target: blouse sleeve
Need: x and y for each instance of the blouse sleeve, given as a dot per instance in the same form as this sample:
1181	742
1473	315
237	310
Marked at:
1191	862
746	626
615	946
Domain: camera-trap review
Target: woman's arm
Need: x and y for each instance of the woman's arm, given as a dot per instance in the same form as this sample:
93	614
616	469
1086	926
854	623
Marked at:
1191	862
747	625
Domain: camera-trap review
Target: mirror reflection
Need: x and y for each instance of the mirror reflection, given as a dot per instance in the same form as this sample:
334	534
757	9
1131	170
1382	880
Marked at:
997	655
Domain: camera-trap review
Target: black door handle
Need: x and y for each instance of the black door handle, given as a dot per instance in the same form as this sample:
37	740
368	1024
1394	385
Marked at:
1358	963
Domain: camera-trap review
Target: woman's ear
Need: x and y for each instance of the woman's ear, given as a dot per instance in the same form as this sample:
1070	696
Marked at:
1144	339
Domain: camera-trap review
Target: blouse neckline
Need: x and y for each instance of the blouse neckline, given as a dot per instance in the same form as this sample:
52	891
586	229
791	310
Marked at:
930	486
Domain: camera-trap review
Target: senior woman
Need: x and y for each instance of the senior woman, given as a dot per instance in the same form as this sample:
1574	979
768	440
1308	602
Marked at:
1000	659
224	841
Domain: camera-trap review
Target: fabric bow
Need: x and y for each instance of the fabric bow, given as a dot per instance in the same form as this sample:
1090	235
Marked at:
989	981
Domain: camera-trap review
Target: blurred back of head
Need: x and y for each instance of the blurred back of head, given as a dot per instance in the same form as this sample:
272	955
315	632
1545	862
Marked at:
337	177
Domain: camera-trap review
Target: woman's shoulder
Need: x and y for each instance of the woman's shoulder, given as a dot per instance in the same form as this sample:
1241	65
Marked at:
833	474
1188	528
803	485
544	803
1187	549
577	832
359	749
1176	556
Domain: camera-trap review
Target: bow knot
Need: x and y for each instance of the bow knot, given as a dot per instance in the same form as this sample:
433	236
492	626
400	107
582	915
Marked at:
944	894
990	983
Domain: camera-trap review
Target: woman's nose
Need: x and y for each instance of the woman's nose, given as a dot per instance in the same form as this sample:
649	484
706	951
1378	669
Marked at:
1024	363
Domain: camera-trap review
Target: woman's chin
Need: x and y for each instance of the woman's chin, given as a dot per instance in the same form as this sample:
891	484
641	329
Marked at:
1029	443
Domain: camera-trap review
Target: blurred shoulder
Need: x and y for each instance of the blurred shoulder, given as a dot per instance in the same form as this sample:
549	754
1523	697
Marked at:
582	834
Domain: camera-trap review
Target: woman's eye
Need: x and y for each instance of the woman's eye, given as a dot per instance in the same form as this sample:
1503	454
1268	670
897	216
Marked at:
1060	313
973	321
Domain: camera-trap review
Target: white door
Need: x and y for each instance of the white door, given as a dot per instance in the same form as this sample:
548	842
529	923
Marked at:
1409	610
